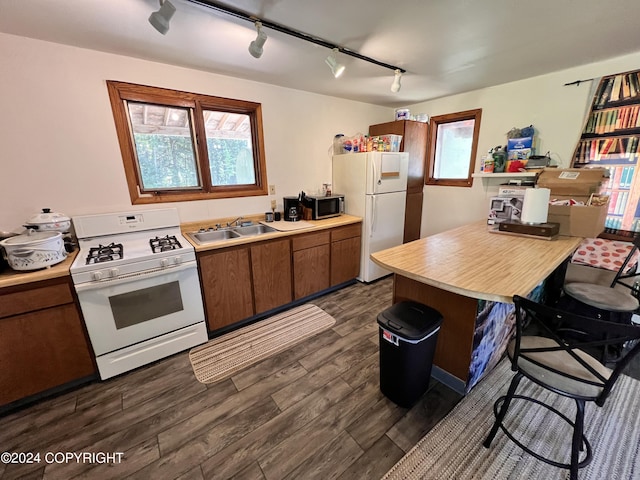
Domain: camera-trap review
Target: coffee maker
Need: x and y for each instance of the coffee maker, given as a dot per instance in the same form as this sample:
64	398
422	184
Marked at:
292	209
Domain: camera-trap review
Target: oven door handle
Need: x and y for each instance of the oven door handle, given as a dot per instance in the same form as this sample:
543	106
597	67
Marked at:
132	277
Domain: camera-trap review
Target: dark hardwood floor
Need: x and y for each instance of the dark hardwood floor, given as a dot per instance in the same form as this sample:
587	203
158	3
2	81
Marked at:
313	411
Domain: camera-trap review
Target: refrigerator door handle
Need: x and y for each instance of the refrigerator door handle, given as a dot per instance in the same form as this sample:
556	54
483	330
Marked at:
373	216
376	178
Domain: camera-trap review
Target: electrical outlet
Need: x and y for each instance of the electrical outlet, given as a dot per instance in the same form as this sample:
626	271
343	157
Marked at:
272	189
273	205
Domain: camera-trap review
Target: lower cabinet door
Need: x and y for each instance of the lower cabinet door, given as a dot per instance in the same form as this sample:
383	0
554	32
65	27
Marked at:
226	284
42	350
271	273
345	260
311	270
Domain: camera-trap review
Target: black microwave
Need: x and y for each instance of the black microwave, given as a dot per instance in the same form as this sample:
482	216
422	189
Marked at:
325	207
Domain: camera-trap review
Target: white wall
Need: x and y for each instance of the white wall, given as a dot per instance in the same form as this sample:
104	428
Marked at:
556	111
59	146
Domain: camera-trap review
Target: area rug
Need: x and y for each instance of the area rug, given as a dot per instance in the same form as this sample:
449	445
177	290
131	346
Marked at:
225	355
453	448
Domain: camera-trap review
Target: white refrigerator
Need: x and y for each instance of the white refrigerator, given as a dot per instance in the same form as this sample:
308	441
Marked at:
374	185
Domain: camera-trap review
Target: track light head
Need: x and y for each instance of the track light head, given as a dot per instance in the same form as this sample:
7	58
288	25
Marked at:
160	19
395	86
255	47
336	68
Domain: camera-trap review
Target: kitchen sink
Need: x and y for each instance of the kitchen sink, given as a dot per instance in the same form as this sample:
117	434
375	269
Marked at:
251	230
211	236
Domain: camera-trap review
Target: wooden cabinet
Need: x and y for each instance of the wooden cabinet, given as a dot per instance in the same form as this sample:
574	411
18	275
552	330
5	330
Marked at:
226	283
345	253
247	280
311	263
43	344
414	142
271	274
610	140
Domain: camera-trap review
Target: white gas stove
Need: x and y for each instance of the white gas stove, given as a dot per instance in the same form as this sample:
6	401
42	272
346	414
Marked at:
137	282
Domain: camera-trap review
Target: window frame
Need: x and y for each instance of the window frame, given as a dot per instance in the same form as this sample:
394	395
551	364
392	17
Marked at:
121	92
438	120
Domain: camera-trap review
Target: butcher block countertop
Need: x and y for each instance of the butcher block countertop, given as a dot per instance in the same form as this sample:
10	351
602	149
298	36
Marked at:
10	277
473	262
289	228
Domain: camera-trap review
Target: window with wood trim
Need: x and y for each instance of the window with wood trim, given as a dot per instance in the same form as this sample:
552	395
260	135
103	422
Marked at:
453	143
179	146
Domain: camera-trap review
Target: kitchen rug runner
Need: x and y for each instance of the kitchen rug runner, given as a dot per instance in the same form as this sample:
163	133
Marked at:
229	353
453	448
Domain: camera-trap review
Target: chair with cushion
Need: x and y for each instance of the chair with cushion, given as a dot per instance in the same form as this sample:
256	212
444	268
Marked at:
555	349
615	302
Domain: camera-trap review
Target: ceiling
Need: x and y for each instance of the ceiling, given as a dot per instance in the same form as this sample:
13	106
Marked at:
446	46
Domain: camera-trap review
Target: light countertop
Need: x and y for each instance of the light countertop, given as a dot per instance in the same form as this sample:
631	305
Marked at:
313	226
11	277
473	262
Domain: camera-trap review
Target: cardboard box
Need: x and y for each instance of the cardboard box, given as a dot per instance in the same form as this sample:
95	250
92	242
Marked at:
577	184
578	220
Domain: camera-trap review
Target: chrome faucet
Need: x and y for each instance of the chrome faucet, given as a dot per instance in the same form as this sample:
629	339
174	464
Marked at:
229	224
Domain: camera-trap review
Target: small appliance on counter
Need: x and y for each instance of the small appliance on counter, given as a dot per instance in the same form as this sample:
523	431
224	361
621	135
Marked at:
292	209
326	206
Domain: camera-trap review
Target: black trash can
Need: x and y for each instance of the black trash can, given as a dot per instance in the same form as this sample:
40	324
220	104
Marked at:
408	336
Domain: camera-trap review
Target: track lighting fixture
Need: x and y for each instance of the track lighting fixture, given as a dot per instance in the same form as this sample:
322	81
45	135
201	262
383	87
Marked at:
255	47
160	19
336	68
395	86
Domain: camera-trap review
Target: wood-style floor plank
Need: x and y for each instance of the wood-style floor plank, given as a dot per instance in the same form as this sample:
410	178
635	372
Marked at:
262	440
313	411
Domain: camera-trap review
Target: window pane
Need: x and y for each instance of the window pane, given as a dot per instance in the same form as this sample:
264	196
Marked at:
454	142
164	146
230	149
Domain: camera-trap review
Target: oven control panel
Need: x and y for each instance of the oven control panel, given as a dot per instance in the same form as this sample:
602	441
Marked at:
136	219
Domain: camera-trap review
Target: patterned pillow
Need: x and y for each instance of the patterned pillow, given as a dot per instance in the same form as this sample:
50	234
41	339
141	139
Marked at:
603	253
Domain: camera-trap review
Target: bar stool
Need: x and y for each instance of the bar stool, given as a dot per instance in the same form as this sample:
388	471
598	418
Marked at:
558	358
605	303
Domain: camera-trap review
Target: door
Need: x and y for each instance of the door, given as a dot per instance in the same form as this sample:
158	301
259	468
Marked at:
386	172
383	228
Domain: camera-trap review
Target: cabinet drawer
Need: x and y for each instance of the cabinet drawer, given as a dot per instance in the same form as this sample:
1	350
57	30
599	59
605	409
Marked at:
349	231
300	242
46	295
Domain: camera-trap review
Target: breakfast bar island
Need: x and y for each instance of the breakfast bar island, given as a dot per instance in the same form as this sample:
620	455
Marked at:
470	275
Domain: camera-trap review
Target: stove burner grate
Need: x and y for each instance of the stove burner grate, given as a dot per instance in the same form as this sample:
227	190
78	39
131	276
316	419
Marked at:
105	253
163	244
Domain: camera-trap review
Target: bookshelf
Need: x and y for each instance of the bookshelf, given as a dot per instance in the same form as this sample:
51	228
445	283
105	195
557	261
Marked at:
610	139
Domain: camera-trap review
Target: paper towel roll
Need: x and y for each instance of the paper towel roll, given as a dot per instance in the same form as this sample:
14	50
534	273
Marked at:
535	207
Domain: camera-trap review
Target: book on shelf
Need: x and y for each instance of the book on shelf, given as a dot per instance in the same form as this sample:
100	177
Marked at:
613	199
626	89
615	90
